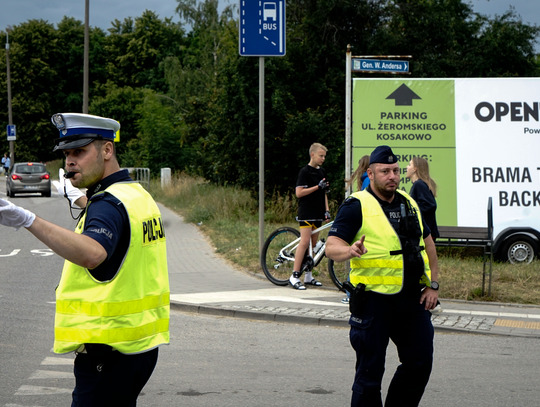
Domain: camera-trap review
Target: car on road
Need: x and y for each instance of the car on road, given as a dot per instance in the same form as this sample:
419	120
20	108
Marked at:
27	178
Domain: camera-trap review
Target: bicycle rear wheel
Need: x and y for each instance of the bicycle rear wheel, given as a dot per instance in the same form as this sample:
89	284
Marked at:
339	272
276	268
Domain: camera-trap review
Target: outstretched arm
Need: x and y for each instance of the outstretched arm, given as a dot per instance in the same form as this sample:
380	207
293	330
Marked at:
77	248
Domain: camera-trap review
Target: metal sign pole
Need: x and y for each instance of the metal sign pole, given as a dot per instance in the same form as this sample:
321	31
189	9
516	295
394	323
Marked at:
261	32
86	56
261	154
348	152
10	112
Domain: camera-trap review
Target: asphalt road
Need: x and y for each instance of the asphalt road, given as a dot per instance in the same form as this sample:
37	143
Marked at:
215	361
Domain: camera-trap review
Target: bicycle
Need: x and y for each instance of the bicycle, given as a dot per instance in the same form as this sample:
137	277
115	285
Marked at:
277	257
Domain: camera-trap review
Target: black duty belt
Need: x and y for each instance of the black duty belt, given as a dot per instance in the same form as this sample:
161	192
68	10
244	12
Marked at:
96	349
412	250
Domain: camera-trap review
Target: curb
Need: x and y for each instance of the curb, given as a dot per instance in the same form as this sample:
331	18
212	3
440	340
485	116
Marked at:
259	316
309	320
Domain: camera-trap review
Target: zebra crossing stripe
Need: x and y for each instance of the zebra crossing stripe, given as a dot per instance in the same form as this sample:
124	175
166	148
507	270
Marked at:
57	361
48	374
41	391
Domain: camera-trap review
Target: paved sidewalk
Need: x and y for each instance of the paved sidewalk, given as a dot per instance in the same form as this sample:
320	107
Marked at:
203	283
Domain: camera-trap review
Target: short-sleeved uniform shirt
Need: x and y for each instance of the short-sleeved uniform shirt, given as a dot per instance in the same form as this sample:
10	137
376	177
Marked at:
349	221
107	222
313	206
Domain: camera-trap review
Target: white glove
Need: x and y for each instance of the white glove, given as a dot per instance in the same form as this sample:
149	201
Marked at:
66	189
15	216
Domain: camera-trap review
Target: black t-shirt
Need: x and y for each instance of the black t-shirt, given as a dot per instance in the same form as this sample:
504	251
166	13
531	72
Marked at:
313	206
349	221
428	205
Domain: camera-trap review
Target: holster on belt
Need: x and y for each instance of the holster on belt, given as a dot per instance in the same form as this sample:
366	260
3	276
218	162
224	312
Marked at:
357	301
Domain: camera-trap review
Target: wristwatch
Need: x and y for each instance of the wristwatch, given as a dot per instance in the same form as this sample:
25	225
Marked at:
434	285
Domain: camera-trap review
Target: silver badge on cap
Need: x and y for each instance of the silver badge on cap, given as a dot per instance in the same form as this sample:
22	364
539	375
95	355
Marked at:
58	120
390	159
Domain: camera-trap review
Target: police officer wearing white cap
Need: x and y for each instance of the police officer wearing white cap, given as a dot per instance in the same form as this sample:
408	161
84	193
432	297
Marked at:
112	302
393	284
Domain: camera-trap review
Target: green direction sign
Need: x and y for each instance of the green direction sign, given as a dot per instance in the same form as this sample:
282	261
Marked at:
415	118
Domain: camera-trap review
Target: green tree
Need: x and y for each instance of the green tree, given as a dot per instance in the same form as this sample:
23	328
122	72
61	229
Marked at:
304	98
71	68
34	56
192	77
210	42
506	47
158	144
137	49
447	39
123	105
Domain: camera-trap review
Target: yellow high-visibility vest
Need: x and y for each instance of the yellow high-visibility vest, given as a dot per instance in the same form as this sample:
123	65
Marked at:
379	270
131	311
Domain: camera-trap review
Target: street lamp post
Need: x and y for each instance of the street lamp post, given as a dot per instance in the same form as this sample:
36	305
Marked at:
10	112
86	52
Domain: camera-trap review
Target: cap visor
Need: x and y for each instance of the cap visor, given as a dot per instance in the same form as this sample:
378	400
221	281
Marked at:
70	144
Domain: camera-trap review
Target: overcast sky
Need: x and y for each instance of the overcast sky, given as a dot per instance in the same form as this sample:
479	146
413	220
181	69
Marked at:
103	12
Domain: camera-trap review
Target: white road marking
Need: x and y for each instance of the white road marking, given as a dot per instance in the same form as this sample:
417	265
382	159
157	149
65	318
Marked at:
41	391
47	374
57	361
265	294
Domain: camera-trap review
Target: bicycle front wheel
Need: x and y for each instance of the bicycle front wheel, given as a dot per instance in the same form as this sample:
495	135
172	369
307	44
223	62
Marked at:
276	268
339	272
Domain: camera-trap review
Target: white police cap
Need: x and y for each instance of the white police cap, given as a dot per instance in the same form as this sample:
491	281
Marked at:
79	129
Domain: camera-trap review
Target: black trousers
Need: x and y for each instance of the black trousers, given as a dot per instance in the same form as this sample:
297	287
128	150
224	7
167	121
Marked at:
107	378
403	320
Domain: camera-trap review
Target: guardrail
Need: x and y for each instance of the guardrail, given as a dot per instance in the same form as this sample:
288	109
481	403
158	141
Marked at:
141	175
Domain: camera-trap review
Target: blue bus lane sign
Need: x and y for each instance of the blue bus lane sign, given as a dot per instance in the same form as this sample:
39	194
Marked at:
262	28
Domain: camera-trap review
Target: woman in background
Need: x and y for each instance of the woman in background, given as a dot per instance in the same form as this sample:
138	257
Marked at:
360	175
424	191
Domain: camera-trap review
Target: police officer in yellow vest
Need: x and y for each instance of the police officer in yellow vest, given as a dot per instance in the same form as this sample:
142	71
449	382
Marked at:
112	302
393	284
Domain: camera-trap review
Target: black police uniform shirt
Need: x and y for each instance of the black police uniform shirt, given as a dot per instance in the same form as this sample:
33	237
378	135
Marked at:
428	205
313	206
349	221
107	222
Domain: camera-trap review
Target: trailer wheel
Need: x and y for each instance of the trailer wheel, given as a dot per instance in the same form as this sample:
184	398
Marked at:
519	249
